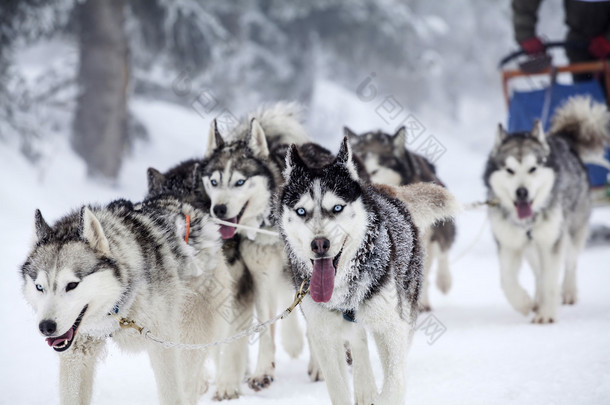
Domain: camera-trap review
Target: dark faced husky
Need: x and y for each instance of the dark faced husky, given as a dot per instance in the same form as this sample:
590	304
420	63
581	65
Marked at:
358	246
388	161
149	263
182	181
544	205
241	175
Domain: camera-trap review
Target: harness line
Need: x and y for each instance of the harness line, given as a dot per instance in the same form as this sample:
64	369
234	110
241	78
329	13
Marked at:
246	227
146	333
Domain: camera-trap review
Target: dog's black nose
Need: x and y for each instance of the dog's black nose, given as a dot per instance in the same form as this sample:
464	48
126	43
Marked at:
320	245
47	327
522	194
220	210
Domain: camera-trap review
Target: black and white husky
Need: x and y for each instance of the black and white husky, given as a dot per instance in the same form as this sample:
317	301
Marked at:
388	161
358	246
542	190
241	174
150	263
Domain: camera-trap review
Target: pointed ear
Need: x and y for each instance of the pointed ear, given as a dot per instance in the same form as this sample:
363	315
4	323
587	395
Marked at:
345	158
500	137
293	160
351	135
91	230
399	141
155	180
256	140
42	228
538	133
215	140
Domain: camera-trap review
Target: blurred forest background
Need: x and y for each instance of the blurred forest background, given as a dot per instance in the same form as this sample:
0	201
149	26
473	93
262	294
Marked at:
101	54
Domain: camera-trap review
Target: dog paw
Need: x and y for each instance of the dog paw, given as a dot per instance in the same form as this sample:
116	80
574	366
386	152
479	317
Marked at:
569	297
260	382
314	371
543	319
424	307
544	315
226	391
443	282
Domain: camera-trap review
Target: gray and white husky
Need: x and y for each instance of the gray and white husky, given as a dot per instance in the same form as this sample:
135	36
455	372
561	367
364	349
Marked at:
184	183
358	245
388	161
147	263
542	190
241	175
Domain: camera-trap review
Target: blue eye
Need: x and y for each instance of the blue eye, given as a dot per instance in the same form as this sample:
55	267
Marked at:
240	183
338	208
39	288
301	212
214	183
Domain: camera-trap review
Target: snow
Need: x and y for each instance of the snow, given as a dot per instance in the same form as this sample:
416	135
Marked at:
487	353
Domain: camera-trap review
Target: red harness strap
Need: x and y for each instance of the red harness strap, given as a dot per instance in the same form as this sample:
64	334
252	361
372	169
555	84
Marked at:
188	227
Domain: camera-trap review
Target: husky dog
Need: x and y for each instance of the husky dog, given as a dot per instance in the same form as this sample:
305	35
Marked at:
542	191
240	176
358	246
388	161
182	181
149	263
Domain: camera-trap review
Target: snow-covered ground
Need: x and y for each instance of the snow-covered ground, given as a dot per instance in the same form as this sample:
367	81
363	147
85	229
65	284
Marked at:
473	348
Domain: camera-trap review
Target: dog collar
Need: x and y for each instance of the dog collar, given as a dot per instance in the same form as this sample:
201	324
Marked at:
349	316
115	310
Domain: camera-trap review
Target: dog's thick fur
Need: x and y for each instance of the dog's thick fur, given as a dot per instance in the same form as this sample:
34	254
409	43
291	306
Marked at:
389	162
132	261
544	205
241	176
182	181
359	246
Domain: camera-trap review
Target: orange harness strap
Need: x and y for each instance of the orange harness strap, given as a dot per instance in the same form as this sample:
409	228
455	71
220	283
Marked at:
188	227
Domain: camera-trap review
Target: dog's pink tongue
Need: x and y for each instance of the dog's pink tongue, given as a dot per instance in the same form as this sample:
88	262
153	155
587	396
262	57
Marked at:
524	210
59	340
322	280
227	232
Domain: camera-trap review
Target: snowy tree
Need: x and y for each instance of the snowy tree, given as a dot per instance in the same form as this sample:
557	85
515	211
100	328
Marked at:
100	122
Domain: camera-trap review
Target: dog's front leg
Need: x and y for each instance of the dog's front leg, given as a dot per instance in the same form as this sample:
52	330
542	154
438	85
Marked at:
265	263
393	344
510	262
365	389
165	365
264	301
231	362
77	370
548	283
327	342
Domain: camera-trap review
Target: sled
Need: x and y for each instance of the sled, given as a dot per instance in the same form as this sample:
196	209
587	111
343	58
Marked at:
541	92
